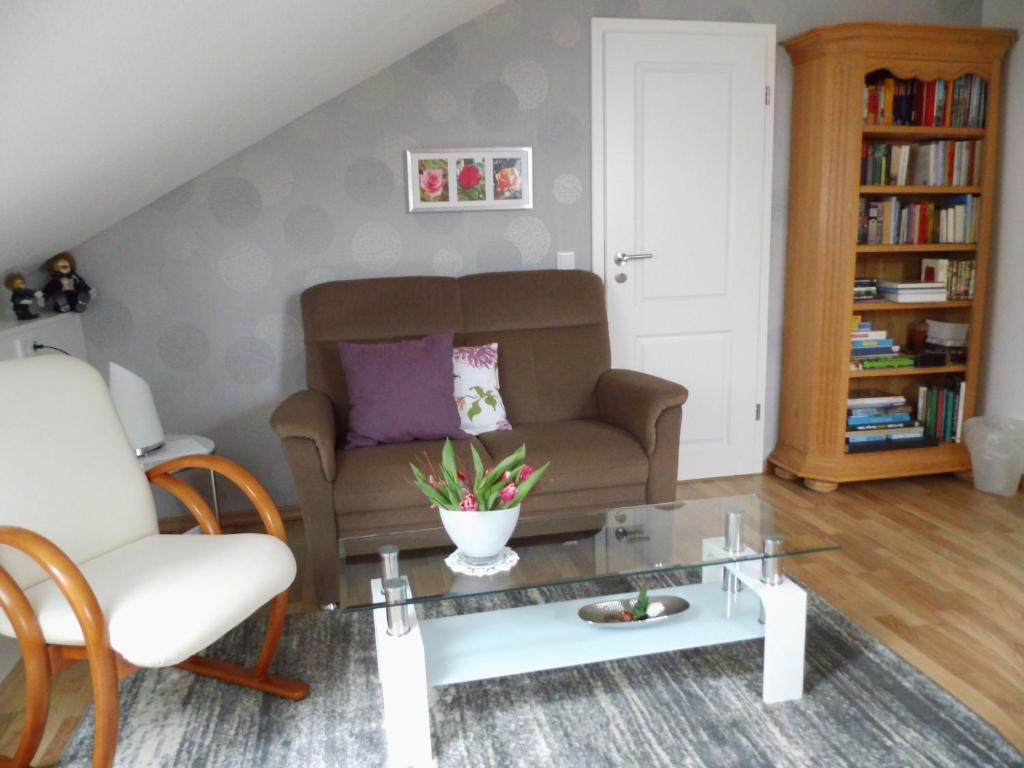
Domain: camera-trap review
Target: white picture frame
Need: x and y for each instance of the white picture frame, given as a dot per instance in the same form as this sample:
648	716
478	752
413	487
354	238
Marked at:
445	179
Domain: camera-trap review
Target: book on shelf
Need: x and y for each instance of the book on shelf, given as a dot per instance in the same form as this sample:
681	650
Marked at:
871	343
925	441
925	164
905	293
874	398
895	101
861	353
868	335
940	408
880	351
899	414
865	288
895	221
956	274
857	323
878	418
882	362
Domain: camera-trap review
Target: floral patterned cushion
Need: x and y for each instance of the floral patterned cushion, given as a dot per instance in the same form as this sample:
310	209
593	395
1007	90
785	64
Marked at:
477	394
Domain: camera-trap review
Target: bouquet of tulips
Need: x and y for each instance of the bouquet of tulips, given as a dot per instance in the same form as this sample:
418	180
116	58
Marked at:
499	487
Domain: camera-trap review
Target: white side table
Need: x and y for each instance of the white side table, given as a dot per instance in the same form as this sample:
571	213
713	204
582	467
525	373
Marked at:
176	446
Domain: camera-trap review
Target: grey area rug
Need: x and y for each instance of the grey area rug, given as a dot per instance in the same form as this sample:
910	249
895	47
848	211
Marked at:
863	706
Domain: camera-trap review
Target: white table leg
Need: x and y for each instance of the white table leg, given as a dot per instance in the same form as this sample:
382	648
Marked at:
785	624
401	665
785	632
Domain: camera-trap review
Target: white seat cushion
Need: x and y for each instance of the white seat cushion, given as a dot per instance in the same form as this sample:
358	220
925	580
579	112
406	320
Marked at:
166	598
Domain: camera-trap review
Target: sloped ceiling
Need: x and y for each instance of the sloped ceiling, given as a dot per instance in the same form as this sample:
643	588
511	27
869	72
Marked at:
105	105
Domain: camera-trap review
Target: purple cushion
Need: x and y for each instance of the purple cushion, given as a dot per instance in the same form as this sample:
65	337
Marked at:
400	391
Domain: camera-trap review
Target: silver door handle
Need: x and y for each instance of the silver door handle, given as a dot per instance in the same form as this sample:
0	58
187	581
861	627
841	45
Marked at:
622	258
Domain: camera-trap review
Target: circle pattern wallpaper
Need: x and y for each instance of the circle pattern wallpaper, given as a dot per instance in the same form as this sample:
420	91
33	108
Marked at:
199	291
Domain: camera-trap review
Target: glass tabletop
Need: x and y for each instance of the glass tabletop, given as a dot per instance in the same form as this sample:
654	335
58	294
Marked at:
599	545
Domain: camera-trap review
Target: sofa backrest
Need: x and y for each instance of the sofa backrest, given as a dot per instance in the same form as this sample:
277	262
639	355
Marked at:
550	325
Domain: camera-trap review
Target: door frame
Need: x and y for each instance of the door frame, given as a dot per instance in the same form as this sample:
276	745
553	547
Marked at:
598	28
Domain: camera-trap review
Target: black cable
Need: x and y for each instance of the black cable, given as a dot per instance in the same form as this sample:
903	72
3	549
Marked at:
36	346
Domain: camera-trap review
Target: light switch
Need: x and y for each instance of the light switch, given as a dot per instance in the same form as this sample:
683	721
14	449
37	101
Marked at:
567	260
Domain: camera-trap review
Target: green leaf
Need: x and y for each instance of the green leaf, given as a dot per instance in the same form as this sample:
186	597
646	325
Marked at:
474	410
479	390
452	490
478	470
433	496
527	485
641	605
448	456
491	401
512	460
489	498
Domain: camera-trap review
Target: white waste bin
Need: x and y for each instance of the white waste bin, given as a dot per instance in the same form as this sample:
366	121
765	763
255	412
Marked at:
997	453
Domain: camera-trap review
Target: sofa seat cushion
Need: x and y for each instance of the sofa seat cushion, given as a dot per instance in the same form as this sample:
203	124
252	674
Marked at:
378	477
584	454
168	597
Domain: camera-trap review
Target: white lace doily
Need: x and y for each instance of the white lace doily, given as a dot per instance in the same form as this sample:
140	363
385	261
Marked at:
505	561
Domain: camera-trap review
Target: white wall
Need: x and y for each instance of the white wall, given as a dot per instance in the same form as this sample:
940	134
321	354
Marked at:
112	103
1003	384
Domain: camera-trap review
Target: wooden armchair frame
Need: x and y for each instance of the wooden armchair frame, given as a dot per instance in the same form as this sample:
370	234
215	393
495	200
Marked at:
43	661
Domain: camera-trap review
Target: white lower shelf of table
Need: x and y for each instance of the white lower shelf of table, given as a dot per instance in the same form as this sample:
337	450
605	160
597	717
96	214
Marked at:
513	641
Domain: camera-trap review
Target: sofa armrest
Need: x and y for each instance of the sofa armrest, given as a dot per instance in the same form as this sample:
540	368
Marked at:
309	415
633	401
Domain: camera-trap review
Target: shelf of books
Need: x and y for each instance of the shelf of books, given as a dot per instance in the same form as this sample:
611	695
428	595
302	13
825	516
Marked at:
877	132
921	185
913	248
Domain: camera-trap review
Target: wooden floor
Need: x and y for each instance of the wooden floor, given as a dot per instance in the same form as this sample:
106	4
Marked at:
931	567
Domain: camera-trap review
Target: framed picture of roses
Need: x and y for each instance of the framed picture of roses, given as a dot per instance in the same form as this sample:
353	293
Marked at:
490	178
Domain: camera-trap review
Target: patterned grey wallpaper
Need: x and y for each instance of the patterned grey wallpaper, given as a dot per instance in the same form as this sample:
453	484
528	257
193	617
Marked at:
199	291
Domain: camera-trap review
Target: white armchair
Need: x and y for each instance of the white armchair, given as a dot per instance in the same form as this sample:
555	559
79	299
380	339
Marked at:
84	571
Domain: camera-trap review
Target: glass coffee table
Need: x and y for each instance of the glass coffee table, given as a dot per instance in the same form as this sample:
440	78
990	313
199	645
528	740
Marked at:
724	556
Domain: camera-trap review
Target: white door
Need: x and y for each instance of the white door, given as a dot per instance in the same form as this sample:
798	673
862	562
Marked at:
682	187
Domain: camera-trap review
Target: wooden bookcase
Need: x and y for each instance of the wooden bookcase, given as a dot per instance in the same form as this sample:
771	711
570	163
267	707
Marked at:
823	256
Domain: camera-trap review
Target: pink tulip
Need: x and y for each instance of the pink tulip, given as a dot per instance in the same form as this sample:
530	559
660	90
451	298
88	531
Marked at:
461	477
508	493
506	476
525	472
488	470
469	503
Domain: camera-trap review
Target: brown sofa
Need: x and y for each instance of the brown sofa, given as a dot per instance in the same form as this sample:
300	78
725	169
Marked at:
612	436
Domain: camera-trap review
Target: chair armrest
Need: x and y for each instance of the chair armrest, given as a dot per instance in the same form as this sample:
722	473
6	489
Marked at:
309	415
160	475
103	662
633	401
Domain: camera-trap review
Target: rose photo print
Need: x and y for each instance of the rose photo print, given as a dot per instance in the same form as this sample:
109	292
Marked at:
433	181
488	178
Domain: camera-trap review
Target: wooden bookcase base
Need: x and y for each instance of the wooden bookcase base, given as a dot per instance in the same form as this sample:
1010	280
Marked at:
824	474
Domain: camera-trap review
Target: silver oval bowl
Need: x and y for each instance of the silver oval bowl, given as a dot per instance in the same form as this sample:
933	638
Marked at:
607	613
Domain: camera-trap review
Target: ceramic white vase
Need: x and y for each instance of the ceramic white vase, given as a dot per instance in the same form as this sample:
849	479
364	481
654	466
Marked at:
480	535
